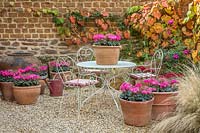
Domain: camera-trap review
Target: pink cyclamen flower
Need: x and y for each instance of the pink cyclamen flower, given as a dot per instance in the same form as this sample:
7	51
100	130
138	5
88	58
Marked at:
175	56
125	86
171	21
134	89
186	51
173	81
144	92
99	37
164	84
172	41
43	68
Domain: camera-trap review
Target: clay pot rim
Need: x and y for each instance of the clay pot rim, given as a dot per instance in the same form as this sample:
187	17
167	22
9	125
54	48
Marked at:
20	54
6	82
98	46
151	100
173	92
28	87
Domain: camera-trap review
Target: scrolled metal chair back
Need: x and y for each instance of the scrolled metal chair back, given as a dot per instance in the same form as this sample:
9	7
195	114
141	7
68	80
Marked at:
66	73
85	53
156	62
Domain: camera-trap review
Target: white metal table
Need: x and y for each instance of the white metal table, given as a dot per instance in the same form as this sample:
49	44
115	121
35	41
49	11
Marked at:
106	79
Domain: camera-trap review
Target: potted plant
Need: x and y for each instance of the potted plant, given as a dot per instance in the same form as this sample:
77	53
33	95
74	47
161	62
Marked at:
56	67
42	71
6	83
164	93
136	103
107	48
26	88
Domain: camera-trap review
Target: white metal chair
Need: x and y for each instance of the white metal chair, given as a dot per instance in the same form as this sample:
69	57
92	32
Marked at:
152	70
76	79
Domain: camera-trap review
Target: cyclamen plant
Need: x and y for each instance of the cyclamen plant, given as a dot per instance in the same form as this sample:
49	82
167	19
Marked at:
136	92
58	67
107	40
162	85
43	70
6	76
26	80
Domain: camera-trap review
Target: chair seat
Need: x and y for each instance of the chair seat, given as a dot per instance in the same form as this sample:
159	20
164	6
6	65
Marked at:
96	71
81	82
142	75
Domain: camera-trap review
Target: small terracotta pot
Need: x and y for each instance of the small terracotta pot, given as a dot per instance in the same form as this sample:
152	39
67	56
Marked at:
163	104
55	87
43	86
7	91
136	113
26	95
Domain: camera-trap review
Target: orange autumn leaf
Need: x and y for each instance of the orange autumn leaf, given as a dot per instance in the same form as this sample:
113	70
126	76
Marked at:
156	13
139	54
165	35
148	34
104	27
154	37
151	21
194	54
185	32
166	18
190	25
164	44
164	3
105	14
158	28
169	10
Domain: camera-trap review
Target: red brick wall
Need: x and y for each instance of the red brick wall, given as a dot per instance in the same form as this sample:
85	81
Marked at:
20	30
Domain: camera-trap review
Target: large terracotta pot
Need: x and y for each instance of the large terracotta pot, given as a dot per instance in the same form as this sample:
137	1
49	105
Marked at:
163	104
107	55
18	60
7	91
43	86
136	113
26	95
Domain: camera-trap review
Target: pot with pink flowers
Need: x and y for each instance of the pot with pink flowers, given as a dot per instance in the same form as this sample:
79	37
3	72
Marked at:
26	88
106	48
6	83
136	103
164	103
56	67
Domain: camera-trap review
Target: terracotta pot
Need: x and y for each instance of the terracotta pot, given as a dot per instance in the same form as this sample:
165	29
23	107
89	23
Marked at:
107	55
55	87
18	60
136	113
26	95
163	104
55	75
7	91
43	86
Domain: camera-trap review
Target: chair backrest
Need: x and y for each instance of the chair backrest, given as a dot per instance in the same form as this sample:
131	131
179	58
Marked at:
156	62
66	67
85	53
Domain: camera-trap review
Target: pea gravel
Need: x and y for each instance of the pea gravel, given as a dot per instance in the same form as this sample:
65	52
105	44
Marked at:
59	115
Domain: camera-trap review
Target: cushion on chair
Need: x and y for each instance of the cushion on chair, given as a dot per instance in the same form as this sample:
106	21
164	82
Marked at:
81	82
142	75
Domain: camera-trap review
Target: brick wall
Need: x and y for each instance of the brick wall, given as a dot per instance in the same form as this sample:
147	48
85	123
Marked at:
20	30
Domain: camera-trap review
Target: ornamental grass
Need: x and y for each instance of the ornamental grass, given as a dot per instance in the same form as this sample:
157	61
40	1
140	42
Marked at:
187	116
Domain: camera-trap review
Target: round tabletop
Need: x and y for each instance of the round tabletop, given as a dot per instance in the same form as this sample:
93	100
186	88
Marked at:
92	64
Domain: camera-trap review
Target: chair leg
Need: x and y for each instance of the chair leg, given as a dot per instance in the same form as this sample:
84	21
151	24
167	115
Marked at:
79	103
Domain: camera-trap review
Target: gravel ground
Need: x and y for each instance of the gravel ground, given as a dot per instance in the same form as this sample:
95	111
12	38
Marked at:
47	116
